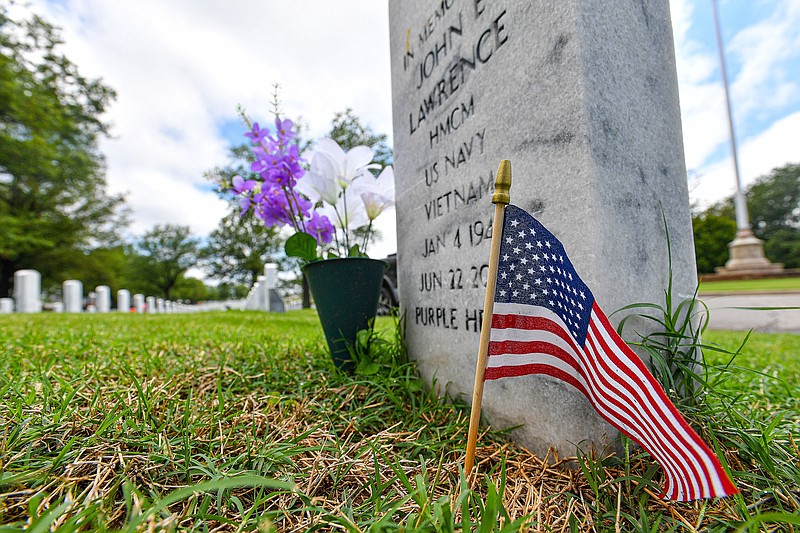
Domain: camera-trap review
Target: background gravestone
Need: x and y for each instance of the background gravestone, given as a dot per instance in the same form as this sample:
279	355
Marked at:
139	303
123	300
73	296
103	298
582	97
28	291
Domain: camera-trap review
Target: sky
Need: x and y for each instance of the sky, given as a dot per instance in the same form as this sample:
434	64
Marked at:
181	67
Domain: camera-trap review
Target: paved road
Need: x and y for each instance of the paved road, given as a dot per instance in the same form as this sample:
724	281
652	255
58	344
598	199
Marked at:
724	314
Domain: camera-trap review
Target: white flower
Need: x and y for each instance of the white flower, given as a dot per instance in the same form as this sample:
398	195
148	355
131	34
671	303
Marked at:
344	167
375	204
348	212
318	183
378	193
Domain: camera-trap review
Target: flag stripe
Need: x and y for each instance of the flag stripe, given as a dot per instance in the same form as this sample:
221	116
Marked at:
672	452
611	407
648	384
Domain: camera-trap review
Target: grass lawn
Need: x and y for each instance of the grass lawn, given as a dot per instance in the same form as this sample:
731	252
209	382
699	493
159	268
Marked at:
754	285
238	421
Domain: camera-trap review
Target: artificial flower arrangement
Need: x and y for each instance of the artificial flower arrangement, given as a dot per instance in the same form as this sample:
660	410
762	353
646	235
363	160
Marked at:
325	204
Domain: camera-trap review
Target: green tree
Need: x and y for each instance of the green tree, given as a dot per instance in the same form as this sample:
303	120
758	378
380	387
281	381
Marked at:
774	202
191	289
348	131
238	249
53	201
712	233
166	253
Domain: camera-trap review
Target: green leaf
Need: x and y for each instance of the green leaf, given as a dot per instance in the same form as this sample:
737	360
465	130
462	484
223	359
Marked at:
302	245
355	251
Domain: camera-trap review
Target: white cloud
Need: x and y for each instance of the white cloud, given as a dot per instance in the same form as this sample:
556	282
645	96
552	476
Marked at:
774	147
763	86
763	49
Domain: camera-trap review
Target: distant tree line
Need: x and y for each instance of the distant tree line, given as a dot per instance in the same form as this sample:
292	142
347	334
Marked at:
773	202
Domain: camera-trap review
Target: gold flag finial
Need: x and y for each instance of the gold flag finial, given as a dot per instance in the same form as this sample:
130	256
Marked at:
502	183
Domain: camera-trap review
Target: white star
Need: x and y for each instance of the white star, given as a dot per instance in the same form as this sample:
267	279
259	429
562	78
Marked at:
503	275
514	223
526	286
505	257
512	267
561	258
547	243
530	271
515	294
535	257
580	306
545	292
519	277
516	250
521	234
509	239
524	260
533	295
542	268
539	244
538	281
551	302
583	295
549	280
528	246
502	292
533	231
552	269
569	275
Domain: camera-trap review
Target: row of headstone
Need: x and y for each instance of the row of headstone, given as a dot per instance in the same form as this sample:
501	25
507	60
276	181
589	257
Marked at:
27	299
263	296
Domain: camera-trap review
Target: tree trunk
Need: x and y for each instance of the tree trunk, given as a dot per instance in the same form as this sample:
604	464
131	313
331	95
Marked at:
7	269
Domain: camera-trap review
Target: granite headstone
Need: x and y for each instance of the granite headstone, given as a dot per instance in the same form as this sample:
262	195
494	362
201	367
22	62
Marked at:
123	300
28	291
103	298
582	97
73	296
139	303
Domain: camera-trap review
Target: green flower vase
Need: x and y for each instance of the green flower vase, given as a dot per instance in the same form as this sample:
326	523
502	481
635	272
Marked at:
346	292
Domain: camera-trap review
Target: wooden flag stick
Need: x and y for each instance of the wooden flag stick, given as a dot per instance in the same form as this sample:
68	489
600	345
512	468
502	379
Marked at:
500	199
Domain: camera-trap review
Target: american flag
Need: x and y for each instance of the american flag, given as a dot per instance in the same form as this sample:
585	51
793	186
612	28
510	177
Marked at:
546	321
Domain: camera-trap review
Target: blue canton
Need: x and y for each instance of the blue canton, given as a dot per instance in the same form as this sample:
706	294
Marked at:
534	270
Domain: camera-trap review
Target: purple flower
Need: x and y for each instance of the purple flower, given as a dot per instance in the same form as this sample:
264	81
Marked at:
257	135
273	208
259	165
241	185
284	129
320	228
244	204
